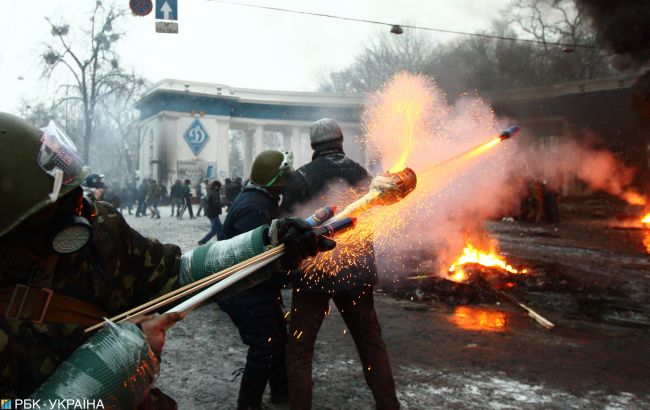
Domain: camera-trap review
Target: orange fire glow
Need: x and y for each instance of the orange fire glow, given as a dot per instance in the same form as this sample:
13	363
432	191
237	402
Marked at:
646	235
474	318
486	258
634	198
646	220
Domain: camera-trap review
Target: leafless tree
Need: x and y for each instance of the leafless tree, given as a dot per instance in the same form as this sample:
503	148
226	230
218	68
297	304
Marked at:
378	61
117	124
93	65
552	21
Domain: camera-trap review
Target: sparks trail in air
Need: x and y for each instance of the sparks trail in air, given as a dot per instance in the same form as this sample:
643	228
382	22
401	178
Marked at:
408	124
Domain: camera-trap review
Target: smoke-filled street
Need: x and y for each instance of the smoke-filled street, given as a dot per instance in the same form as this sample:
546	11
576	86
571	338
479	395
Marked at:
328	205
476	356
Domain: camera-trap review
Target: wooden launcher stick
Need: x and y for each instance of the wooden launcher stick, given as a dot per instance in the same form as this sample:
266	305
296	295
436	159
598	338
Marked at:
533	314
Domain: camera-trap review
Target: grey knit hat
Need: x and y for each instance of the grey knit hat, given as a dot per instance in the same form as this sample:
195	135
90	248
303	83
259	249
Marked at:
323	131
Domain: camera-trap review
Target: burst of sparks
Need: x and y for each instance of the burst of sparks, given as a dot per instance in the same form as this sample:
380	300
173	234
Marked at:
407	114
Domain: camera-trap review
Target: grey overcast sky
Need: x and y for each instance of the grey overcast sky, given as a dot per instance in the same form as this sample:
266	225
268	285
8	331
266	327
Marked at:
222	43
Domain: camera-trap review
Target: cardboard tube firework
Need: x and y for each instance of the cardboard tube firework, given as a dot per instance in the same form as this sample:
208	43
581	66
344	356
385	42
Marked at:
196	300
385	189
321	215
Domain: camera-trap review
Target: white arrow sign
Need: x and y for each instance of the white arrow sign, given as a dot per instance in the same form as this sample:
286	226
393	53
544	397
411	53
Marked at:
166	10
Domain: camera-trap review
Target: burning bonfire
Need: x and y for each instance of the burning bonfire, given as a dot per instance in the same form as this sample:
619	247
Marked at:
472	255
646	220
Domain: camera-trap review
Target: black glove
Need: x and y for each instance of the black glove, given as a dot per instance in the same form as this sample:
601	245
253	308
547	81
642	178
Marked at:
299	240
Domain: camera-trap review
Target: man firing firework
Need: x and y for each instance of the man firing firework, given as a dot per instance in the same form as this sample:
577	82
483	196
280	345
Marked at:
351	287
67	262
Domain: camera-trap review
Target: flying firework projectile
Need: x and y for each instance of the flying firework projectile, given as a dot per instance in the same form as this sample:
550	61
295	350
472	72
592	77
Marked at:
509	133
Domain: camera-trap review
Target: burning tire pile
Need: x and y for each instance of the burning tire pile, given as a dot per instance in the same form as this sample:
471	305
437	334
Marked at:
565	289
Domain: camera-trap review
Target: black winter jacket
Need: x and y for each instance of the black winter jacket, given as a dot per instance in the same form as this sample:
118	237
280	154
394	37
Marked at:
213	205
253	207
307	184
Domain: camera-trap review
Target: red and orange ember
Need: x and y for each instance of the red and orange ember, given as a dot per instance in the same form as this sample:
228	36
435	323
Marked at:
646	220
646	235
479	319
472	255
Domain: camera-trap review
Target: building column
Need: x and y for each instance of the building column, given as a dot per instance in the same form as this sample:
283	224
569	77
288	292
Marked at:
222	146
296	147
248	152
259	139
286	140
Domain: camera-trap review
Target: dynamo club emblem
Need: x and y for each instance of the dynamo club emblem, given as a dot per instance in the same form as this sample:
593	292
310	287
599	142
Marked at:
196	137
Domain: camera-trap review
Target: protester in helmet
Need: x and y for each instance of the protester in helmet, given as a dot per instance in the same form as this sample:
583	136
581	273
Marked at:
257	312
351	288
68	262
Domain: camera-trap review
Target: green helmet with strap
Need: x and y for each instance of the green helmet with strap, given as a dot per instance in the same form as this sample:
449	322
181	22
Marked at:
37	167
272	168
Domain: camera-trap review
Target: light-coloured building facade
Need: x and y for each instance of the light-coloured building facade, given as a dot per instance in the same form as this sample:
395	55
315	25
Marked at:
187	128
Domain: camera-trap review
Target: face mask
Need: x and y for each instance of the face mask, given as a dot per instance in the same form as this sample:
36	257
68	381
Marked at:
286	167
73	230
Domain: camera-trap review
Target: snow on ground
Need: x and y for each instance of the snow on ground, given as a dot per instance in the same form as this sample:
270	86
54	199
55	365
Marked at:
435	364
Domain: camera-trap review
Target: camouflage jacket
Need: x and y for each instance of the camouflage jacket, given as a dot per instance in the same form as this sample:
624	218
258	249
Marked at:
119	269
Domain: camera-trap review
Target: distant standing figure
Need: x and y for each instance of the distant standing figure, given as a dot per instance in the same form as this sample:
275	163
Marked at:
153	198
203	196
176	196
187	199
142	199
238	187
227	200
213	211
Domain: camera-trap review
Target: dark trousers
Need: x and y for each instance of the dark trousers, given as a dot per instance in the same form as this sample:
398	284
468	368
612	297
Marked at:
263	329
177	203
358	311
187	205
153	207
201	207
142	207
215	230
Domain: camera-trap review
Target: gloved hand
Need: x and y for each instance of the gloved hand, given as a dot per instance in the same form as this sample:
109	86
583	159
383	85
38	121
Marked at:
299	240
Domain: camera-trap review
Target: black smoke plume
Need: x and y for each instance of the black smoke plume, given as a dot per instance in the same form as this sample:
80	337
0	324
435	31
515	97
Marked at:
623	26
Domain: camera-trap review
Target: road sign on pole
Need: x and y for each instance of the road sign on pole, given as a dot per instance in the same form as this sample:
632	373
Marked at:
167	10
141	7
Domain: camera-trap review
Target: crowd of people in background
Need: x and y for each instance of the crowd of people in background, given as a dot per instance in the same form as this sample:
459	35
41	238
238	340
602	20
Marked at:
144	198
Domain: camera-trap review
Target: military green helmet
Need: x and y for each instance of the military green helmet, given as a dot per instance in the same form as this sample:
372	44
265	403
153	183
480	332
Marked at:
272	168
37	167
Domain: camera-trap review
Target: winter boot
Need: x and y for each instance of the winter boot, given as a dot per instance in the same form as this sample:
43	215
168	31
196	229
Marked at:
251	391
